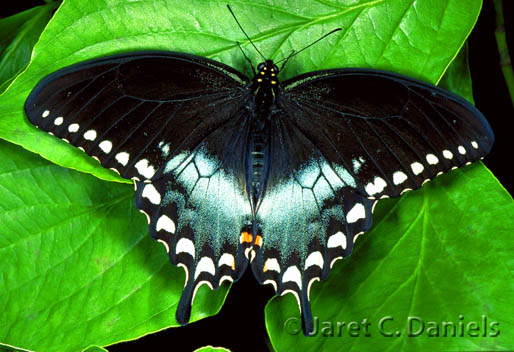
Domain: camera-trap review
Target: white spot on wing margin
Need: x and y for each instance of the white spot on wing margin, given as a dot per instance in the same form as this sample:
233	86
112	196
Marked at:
185	245
122	158
315	258
165	223
292	274
357	212
105	146
150	193
145	169
336	240
90	135
205	265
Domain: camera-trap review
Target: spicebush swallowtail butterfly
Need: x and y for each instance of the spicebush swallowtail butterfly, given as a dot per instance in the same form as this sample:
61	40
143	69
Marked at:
232	171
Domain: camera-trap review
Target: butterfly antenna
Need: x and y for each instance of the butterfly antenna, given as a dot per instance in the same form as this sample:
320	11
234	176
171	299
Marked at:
286	60
247	58
246	35
308	46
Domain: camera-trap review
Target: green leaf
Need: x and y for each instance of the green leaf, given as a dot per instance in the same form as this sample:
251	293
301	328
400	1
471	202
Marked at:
18	35
95	349
9	26
418	38
450	260
6	348
78	267
211	349
458	78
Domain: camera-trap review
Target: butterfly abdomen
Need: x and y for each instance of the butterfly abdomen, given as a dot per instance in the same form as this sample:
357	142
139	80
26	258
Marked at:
257	161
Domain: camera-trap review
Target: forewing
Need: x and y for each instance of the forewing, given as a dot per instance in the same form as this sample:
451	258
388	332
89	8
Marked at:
168	121
390	132
120	108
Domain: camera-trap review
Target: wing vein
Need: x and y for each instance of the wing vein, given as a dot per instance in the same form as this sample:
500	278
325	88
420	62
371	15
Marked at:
343	161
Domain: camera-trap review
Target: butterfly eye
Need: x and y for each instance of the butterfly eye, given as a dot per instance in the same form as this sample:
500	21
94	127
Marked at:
274	68
260	66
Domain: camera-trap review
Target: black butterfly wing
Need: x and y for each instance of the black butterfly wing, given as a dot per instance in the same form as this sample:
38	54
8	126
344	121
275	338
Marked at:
390	132
171	122
341	139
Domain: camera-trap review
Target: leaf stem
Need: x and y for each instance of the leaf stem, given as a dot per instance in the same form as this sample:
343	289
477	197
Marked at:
501	42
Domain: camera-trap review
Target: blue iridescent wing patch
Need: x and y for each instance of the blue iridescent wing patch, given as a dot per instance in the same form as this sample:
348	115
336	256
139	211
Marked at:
197	209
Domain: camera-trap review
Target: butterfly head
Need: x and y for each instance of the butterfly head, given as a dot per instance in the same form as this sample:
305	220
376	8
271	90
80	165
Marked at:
267	73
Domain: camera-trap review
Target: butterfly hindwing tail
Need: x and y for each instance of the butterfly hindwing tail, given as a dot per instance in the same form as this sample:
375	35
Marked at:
204	261
292	261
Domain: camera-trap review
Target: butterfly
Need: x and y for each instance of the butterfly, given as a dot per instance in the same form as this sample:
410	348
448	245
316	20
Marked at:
232	171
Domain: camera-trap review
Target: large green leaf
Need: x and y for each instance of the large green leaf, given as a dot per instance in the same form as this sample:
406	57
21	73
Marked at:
78	267
419	38
18	35
211	349
458	78
440	254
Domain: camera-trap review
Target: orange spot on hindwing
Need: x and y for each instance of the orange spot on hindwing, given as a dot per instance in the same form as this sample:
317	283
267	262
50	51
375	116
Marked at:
258	240
246	237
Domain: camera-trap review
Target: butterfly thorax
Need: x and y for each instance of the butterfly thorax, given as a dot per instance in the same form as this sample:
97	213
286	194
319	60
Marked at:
265	89
265	86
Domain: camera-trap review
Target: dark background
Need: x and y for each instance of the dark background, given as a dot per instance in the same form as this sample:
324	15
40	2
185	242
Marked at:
240	326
